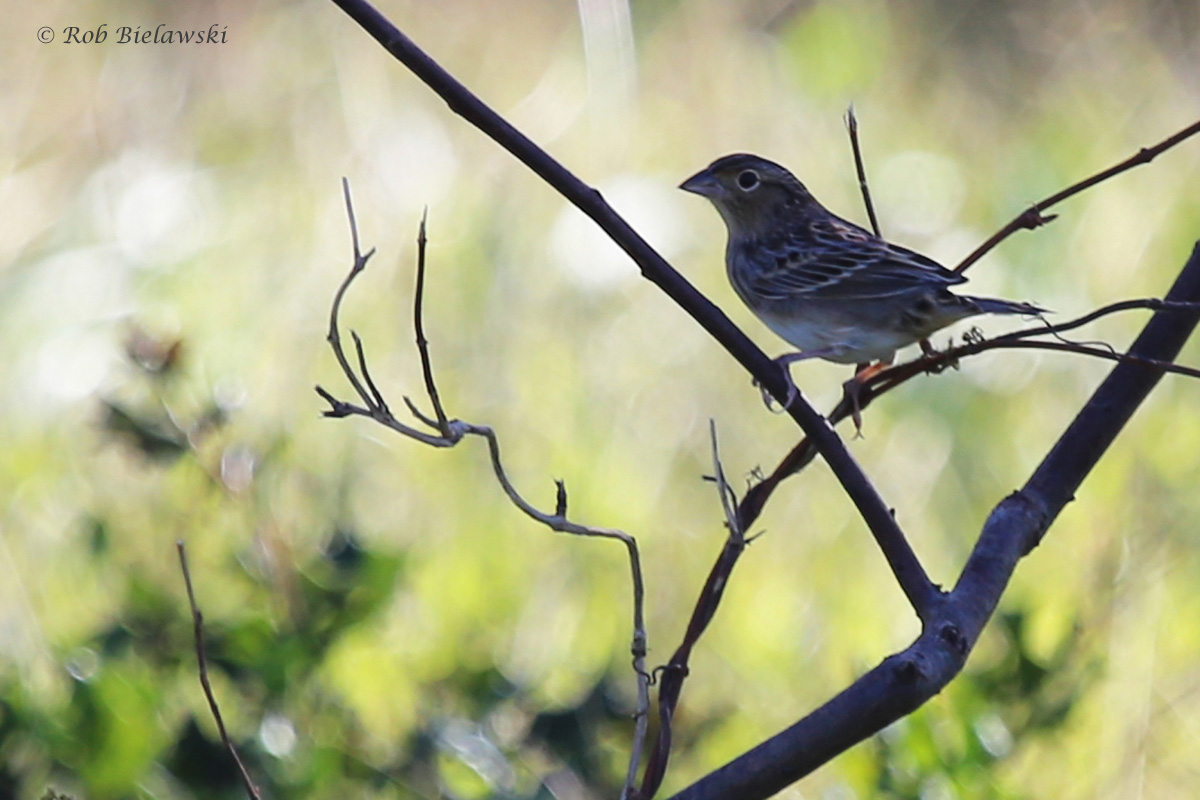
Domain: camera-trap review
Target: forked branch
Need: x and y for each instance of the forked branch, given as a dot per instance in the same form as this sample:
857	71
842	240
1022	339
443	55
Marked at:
448	432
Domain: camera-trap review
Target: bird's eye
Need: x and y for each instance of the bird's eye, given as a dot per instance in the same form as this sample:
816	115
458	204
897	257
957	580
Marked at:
748	180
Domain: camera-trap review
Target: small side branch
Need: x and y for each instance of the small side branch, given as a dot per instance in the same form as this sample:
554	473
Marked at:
202	661
443	424
1033	217
861	170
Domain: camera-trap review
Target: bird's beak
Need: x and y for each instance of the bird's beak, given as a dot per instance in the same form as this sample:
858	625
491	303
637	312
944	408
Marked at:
702	183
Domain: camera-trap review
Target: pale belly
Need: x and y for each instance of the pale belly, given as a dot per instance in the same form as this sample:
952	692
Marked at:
835	340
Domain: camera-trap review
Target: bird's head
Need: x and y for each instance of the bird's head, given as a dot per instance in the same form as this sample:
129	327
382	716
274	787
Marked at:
751	193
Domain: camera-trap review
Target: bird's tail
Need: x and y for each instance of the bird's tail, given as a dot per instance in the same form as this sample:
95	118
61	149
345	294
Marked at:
991	305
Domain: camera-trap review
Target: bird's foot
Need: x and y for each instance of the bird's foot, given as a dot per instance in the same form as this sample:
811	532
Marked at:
852	390
792	391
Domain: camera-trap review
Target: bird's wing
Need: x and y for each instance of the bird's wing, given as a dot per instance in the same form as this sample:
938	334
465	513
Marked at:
832	259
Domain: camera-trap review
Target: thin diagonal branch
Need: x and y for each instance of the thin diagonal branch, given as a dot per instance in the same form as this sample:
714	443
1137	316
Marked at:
377	399
728	498
202	662
911	576
1033	216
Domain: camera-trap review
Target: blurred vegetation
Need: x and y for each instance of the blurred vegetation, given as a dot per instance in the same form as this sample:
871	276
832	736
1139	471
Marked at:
382	623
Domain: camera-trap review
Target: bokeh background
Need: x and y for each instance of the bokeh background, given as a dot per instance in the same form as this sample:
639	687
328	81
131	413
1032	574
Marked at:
382	622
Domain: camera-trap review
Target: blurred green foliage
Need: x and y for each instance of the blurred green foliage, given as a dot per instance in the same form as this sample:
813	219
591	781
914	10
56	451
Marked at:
380	621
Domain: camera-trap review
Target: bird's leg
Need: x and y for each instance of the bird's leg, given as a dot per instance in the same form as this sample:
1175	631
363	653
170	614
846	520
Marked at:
853	388
927	349
784	361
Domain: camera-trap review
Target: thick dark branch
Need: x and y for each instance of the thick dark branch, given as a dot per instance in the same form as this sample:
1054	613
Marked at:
1089	435
906	680
904	564
1033	217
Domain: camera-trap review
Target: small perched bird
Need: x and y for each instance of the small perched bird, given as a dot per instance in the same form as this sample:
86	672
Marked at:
827	286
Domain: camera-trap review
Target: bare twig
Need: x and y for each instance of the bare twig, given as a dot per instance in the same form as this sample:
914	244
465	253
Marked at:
202	661
376	395
422	343
1033	216
451	431
334	337
373	402
728	498
861	170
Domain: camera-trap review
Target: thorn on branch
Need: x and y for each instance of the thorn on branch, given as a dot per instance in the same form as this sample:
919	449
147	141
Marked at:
560	498
908	671
337	408
1032	218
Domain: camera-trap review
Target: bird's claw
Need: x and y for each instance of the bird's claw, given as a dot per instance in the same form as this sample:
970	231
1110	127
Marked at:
852	389
792	391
